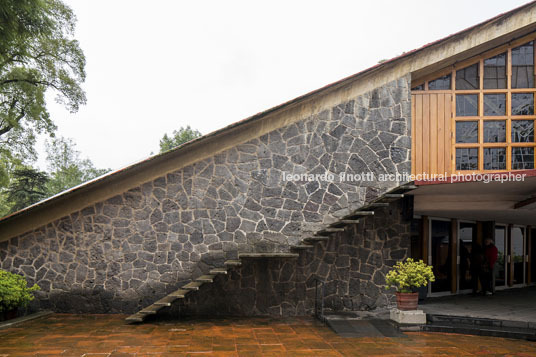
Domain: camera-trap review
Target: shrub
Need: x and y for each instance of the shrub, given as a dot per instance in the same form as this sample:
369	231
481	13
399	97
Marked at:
409	275
14	291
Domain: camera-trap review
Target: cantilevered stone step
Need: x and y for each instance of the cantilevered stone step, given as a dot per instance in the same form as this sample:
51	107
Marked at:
361	213
166	301
328	231
316	239
393	195
150	310
206	278
194	285
233	263
302	246
379	204
268	255
179	294
137	317
218	271
343	223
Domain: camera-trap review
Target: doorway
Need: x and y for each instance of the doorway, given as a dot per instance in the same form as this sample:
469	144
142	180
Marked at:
500	265
440	256
466	244
517	256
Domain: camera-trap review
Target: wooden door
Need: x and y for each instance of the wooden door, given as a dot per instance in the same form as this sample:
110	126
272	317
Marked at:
431	133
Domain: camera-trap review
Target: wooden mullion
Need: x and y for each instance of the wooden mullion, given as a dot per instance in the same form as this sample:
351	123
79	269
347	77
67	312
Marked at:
413	134
509	110
466	145
438	91
523	90
534	64
494	145
481	114
515	145
453	122
523	117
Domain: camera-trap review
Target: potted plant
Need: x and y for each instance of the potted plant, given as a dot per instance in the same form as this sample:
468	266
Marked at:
407	277
14	293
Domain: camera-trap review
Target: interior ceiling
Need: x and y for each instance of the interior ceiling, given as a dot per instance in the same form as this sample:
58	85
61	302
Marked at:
479	201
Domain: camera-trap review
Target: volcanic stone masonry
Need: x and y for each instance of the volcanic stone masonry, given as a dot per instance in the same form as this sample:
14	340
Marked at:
353	265
123	253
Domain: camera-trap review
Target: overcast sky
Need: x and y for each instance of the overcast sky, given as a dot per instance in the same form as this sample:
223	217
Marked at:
154	66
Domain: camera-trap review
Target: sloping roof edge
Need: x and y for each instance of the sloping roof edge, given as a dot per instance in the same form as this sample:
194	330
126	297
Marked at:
198	141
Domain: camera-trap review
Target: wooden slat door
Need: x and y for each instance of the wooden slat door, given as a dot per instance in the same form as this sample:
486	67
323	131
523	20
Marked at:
431	133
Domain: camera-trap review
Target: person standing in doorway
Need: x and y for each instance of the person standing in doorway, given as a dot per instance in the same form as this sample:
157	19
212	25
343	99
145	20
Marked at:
491	253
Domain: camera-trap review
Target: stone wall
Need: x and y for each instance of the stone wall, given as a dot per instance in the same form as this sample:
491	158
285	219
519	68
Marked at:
118	255
352	264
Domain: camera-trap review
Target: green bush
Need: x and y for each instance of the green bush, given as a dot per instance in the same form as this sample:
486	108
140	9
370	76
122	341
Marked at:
409	275
14	291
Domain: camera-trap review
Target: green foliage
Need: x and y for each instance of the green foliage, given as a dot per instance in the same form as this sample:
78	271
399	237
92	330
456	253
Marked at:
66	167
179	137
21	185
28	187
409	275
14	291
37	54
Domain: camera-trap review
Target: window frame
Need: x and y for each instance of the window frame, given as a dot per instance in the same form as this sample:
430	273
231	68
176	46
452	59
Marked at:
480	118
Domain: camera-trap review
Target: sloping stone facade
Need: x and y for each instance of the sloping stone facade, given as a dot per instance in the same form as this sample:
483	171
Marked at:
121	254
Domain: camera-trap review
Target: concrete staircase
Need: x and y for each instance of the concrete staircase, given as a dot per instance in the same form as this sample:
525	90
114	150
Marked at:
308	242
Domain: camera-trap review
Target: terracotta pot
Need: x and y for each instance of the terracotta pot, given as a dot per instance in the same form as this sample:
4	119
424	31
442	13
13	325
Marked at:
407	301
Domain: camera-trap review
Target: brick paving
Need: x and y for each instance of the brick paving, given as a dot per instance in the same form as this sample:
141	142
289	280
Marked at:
108	335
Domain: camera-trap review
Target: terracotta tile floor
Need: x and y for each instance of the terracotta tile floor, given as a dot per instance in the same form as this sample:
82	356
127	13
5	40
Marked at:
108	335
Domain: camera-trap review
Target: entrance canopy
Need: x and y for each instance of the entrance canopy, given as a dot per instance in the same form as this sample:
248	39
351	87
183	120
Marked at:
507	202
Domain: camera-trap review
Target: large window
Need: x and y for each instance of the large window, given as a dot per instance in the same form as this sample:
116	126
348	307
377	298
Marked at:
493	108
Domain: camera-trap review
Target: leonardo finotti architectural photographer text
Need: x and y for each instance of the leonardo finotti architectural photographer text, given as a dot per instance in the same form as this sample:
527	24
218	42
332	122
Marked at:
404	177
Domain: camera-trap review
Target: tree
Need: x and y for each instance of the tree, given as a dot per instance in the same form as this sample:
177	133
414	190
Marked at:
179	137
66	167
28	187
37	54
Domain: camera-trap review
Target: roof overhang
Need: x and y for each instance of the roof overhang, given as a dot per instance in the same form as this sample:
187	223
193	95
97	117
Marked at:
512	201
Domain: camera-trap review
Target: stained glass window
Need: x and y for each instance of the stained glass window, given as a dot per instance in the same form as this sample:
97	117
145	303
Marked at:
440	83
467	132
466	105
494	104
495	72
493	114
494	131
523	66
522	158
523	131
522	104
468	78
494	158
467	159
